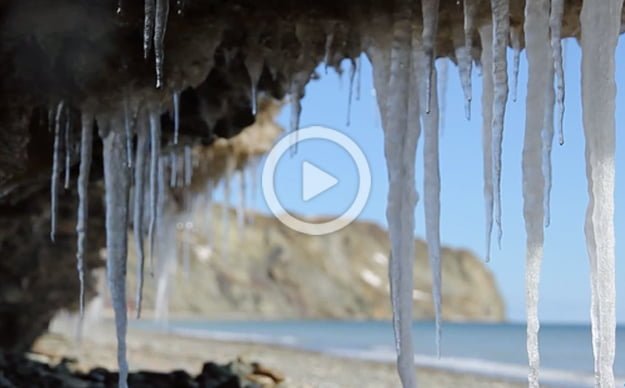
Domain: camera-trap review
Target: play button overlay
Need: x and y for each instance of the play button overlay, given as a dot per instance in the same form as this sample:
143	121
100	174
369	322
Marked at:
316	181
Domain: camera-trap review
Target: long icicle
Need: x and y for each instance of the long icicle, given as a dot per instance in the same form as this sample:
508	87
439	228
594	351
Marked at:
515	39
486	36
86	143
442	105
501	30
600	25
139	195
148	27
465	59
548	134
431	198
188	165
128	131
539	70
68	153
555	25
429	9
400	119
116	181
176	98
54	190
352	76
161	16
464	68
155	153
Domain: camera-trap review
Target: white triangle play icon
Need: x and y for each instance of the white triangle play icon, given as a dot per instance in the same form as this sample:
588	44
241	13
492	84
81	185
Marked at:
315	181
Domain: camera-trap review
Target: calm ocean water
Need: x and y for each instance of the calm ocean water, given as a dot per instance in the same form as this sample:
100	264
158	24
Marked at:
488	348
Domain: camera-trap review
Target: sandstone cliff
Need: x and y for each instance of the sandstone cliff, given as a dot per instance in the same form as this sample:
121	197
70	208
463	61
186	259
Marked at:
273	272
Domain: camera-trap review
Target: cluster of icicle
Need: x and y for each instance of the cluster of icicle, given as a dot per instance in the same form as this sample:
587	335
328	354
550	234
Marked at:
405	81
128	164
406	87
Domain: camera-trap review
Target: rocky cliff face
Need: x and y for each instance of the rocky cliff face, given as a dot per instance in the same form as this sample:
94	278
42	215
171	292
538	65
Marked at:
271	271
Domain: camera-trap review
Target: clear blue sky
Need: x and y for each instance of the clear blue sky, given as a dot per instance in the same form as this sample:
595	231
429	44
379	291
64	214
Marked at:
565	293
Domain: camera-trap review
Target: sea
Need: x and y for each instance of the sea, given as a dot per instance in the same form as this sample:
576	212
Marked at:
496	350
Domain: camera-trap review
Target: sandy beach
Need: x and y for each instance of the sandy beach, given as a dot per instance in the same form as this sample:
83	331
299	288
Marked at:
166	352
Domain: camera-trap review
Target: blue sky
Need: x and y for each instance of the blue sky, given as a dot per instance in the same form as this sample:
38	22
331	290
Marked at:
565	285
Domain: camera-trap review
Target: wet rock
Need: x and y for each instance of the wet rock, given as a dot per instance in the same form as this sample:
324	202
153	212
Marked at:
19	371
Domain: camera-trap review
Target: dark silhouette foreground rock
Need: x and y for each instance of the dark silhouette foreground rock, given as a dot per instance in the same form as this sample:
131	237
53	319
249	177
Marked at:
20	371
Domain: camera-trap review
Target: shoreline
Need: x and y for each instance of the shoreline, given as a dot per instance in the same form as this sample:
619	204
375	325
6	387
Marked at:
510	373
159	351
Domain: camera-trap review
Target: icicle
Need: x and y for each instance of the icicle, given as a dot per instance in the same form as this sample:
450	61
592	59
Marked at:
600	26
155	152
160	27
55	170
465	56
254	63
139	195
86	142
501	27
539	70
430	31
176	98
443	93
352	76
328	49
399	109
148	27
188	165
431	197
173	176
128	130
465	64
515	39
486	36
548	134
469	24
68	153
298	85
116	181
555	24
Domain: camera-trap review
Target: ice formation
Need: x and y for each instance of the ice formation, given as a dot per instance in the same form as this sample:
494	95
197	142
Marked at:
155	152
600	23
501	30
431	197
139	197
54	182
429	8
68	151
486	36
555	26
442	86
117	182
176	100
515	38
160	27
539	65
396	66
402	54
86	143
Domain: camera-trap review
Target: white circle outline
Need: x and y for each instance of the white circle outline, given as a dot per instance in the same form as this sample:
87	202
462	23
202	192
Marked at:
347	217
